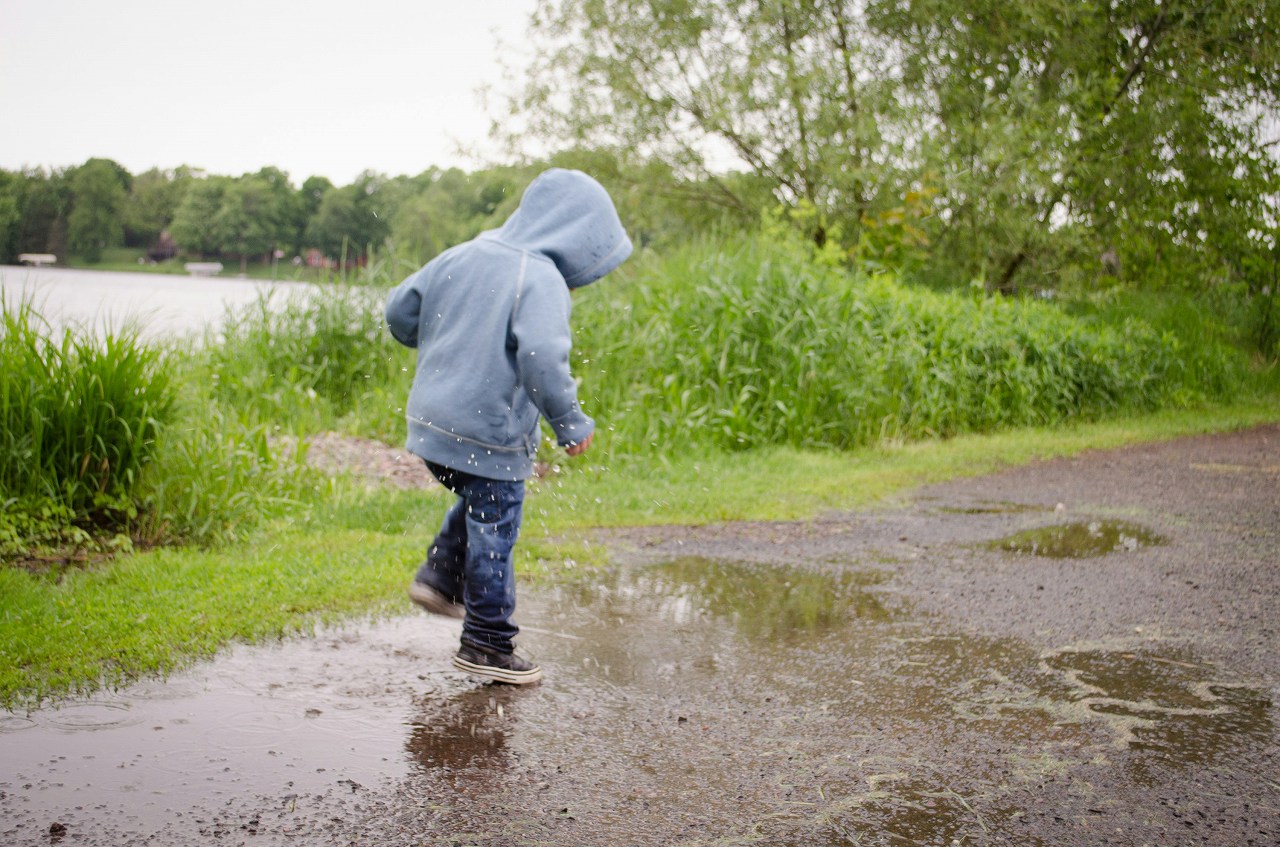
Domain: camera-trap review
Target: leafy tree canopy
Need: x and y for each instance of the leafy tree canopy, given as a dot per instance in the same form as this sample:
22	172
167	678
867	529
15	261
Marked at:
997	140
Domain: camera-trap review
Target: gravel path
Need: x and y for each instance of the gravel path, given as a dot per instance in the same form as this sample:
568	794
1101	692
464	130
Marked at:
934	674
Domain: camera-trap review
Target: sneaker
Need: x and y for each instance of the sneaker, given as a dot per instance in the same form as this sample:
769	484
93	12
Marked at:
434	600
501	667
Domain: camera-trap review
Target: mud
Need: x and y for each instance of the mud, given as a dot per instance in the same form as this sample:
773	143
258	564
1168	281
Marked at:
883	678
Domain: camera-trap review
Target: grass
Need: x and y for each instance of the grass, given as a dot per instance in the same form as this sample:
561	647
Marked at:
737	381
155	611
79	420
742	344
106	442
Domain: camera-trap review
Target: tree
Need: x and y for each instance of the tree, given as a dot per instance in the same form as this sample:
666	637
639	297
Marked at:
350	220
256	215
46	203
798	93
310	196
997	139
1063	129
194	220
99	188
153	201
443	208
244	224
11	202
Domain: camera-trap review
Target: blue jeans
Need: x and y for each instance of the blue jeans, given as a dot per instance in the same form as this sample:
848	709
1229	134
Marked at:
470	559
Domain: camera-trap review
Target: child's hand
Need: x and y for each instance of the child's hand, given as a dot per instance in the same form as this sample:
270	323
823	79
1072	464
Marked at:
581	447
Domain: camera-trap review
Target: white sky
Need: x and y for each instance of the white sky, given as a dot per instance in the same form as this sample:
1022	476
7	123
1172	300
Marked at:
315	88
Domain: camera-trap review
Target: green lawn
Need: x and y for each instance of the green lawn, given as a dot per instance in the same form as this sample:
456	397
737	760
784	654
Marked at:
68	632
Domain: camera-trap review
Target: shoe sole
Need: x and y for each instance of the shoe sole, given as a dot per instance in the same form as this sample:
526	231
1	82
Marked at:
435	602
498	674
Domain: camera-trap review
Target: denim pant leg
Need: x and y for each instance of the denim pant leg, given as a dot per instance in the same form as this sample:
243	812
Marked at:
485	522
494	511
447	555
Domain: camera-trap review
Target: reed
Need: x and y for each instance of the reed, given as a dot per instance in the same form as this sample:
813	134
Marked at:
746	343
306	363
79	421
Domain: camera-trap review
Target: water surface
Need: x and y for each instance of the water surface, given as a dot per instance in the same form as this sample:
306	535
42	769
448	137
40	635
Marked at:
159	305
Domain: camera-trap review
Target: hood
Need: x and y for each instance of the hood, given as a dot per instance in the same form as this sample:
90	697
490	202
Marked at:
568	217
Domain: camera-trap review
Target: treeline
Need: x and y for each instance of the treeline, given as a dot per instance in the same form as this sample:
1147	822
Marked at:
1060	147
86	210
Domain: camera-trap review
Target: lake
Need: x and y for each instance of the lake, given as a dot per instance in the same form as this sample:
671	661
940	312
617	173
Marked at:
158	305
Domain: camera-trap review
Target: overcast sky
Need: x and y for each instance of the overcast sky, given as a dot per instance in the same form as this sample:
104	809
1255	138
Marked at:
315	88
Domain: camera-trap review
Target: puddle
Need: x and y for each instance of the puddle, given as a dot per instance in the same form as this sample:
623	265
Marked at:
1171	710
1079	540
695	701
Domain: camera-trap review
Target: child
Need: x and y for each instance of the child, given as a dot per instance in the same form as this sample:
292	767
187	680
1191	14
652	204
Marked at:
490	321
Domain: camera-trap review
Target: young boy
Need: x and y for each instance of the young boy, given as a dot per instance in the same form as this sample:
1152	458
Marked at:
490	321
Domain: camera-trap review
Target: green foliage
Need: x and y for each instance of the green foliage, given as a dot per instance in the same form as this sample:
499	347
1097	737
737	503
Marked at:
1030	146
99	188
215	477
453	207
107	442
751	342
800	95
153	200
45	205
743	344
302	362
79	421
193	225
1141	122
351	219
11	200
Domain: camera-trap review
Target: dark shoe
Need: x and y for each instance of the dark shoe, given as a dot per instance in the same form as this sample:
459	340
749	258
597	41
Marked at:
502	667
434	600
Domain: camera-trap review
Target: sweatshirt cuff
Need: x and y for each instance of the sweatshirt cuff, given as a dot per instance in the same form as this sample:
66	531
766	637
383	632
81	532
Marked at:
571	427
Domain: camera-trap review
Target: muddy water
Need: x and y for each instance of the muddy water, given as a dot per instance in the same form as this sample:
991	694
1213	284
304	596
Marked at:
1079	539
692	701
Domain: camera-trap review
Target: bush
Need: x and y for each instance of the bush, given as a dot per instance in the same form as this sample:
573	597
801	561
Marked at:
746	343
79	419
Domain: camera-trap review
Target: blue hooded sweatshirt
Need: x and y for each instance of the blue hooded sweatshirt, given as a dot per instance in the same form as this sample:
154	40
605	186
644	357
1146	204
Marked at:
490	321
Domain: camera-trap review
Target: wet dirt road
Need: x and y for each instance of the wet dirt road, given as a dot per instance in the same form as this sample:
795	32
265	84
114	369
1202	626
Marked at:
1079	652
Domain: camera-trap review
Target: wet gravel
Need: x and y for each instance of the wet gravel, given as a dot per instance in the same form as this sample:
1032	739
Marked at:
888	677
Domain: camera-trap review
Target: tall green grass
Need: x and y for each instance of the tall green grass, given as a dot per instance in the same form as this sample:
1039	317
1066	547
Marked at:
106	441
317	361
743	344
216	477
79	420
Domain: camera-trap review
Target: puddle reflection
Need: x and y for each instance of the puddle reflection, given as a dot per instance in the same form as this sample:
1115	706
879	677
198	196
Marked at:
1079	540
462	737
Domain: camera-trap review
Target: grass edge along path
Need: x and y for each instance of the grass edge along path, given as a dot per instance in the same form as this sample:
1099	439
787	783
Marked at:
155	612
